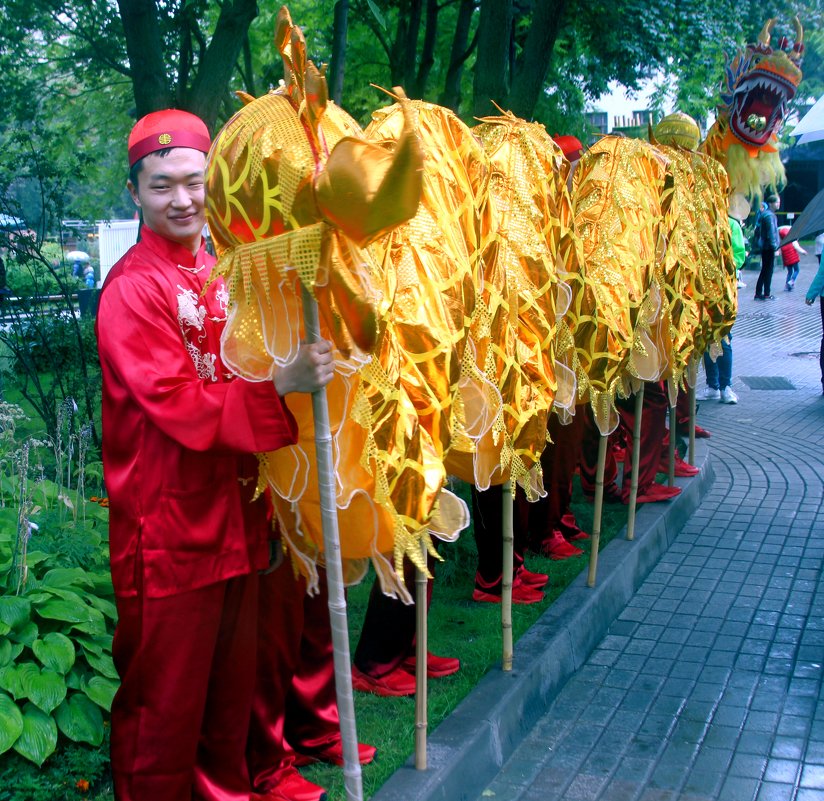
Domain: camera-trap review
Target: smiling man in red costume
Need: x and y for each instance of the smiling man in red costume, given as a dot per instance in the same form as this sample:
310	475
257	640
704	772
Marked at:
179	434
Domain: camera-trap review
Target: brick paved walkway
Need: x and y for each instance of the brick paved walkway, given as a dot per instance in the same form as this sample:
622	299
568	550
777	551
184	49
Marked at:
709	685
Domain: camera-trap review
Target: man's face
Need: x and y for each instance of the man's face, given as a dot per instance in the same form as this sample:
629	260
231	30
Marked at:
775	205
171	195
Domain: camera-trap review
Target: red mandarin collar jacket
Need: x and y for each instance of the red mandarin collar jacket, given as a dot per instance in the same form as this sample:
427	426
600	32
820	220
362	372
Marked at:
178	430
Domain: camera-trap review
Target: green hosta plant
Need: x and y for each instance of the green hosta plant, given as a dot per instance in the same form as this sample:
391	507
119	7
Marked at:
57	615
56	670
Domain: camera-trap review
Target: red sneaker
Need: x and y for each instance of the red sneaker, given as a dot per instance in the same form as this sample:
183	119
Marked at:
684	430
657	492
293	787
530	579
333	754
570	528
682	469
436	666
557	548
491	593
394	684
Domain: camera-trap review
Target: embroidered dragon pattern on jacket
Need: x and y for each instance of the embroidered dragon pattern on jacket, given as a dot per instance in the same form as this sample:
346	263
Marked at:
191	316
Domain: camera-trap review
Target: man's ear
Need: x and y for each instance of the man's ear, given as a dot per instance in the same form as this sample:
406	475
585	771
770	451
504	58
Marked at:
133	192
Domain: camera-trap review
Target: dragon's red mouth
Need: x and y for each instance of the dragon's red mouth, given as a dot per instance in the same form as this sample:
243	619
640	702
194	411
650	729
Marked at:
759	106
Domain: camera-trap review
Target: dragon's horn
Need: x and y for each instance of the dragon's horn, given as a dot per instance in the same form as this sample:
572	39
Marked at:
799	31
766	33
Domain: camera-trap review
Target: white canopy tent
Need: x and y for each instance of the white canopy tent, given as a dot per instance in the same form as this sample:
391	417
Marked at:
811	126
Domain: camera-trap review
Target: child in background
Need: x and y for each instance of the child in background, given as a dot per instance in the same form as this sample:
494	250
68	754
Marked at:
791	256
819	246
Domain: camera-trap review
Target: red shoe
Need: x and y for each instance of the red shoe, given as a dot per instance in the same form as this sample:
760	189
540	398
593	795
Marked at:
491	593
570	529
682	468
657	492
436	666
684	430
293	787
530	579
333	754
394	684
557	548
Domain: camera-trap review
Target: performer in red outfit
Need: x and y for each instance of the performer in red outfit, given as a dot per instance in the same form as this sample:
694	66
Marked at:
186	541
549	520
294	713
653	428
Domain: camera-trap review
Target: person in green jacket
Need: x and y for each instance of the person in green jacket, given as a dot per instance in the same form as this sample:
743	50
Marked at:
816	290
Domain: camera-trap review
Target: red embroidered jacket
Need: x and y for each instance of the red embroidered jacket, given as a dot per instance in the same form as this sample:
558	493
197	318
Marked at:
178	430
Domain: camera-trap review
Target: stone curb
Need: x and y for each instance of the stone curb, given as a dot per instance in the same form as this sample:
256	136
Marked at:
469	748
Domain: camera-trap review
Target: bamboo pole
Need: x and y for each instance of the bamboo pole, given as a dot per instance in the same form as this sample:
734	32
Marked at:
692	382
506	579
673	425
353	782
636	458
421	649
595	540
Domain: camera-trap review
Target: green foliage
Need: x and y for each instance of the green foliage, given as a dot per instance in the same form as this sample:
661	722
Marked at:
64	777
57	612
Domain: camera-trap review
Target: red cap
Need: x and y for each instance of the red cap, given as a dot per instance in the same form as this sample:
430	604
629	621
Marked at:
784	230
169	128
571	145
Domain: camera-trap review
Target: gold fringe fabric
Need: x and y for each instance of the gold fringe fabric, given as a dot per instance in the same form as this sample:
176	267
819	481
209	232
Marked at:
717	269
271	239
514	329
679	279
616	303
433	265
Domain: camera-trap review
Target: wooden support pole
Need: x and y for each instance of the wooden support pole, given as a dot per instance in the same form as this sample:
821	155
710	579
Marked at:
595	540
692	382
421	650
636	458
352	777
507	578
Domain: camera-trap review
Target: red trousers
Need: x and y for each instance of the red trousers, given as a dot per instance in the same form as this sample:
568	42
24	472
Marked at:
295	703
653	428
181	715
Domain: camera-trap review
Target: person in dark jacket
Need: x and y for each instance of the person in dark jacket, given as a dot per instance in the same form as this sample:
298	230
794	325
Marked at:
769	239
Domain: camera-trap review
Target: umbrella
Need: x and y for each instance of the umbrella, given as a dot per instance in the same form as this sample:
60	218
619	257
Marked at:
77	255
810	221
811	127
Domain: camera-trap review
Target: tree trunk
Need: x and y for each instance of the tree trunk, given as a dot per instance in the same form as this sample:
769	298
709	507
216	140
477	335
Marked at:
215	69
451	96
491	64
340	29
528	81
428	52
147	62
410	46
